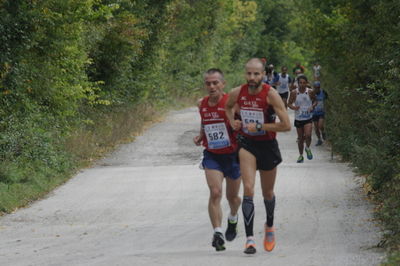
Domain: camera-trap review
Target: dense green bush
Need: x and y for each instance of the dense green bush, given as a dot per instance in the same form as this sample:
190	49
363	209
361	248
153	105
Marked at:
67	66
357	43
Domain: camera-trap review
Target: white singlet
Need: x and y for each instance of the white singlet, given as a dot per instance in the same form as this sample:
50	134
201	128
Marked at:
284	86
303	100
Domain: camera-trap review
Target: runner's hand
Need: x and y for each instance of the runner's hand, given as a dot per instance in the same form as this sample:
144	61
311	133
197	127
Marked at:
197	140
236	124
251	127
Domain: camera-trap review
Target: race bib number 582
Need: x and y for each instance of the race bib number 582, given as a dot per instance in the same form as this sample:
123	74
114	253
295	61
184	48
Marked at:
217	136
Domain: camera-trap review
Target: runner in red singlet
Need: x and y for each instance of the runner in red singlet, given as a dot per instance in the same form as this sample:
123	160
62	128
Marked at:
258	104
219	157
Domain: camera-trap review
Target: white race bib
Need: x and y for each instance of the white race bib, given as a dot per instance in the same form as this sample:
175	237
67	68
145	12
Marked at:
217	136
304	114
252	117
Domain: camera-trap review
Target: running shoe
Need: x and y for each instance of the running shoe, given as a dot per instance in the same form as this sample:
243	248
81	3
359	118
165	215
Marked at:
269	238
300	159
231	230
319	143
309	154
250	247
218	241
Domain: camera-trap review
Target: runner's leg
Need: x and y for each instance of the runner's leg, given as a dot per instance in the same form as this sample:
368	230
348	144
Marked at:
300	138
307	133
214	180
248	167
321	125
317	129
267	184
232	191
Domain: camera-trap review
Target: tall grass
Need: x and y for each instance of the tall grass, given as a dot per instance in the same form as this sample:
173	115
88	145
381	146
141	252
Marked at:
87	143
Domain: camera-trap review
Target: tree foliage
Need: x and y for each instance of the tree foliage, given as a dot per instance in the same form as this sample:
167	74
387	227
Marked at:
63	61
358	45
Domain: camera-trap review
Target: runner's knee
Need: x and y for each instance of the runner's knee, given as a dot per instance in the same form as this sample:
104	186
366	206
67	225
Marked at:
231	197
215	193
268	195
248	190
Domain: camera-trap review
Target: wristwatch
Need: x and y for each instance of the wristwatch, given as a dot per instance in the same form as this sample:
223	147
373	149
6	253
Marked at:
258	126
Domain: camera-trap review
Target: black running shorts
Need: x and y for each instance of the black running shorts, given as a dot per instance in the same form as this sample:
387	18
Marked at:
301	123
284	95
316	118
267	152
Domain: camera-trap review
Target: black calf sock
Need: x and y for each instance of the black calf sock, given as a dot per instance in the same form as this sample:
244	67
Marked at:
269	209
248	214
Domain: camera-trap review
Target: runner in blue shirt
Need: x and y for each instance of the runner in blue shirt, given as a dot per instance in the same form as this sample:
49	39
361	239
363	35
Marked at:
271	77
319	112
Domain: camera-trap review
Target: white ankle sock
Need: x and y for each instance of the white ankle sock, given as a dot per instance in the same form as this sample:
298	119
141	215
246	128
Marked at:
218	229
233	218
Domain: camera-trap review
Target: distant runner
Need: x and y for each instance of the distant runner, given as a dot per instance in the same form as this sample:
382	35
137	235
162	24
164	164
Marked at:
283	84
317	71
295	84
302	100
319	112
299	67
219	157
271	77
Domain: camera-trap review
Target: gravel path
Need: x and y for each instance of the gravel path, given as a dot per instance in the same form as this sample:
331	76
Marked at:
146	204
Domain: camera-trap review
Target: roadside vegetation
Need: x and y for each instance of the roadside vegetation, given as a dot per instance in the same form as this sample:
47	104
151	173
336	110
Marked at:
80	76
357	43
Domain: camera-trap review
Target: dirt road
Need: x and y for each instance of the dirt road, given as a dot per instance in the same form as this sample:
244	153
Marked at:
146	204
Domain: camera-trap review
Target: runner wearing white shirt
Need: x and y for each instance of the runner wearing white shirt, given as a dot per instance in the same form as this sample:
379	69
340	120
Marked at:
283	83
303	101
317	71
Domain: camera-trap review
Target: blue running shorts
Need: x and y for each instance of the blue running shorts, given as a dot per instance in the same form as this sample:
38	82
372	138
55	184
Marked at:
228	164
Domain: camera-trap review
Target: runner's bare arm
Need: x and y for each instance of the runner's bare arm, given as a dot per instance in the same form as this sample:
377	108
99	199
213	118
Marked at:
292	99
292	86
284	122
313	99
230	109
198	139
276	102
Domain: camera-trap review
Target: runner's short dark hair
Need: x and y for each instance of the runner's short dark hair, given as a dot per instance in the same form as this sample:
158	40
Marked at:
213	71
302	77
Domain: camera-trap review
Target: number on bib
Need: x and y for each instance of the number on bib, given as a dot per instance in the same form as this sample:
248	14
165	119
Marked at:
252	117
217	136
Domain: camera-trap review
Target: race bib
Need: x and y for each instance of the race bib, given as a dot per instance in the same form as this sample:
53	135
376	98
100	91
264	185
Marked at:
252	117
217	136
304	114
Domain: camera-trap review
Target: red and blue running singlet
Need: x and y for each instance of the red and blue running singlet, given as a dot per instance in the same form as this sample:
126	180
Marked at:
253	109
218	136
